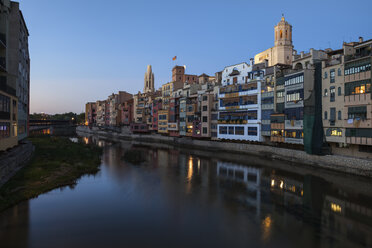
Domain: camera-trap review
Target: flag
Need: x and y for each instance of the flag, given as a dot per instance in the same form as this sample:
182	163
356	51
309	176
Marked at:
174	58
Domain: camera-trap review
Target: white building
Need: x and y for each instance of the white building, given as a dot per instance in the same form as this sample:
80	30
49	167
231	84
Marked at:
240	103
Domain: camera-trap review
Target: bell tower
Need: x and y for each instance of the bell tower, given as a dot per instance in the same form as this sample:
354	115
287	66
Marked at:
149	80
283	48
283	33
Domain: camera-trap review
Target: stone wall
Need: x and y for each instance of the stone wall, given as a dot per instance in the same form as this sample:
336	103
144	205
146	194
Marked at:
13	160
355	166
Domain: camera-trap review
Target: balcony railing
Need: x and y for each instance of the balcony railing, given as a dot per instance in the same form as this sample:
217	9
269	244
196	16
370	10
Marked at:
232	121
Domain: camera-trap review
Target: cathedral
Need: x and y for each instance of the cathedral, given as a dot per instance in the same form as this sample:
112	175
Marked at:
282	51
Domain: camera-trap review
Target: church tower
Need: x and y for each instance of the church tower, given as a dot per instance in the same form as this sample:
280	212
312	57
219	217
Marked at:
149	80
283	43
281	52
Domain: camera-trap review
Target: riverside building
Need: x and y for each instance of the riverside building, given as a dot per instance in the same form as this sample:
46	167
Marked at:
358	98
14	75
240	104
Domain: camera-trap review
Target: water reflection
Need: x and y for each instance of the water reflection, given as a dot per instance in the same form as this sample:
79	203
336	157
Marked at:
185	198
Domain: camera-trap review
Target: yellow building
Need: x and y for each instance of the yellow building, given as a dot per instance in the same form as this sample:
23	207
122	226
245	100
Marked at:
282	51
163	121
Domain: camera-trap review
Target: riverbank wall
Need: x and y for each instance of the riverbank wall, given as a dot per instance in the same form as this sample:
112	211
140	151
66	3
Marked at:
350	165
13	160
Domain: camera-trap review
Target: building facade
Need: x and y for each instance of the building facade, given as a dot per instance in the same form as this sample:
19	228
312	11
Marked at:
240	104
358	98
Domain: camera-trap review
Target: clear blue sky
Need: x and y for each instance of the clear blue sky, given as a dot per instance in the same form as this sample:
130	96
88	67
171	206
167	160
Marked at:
83	50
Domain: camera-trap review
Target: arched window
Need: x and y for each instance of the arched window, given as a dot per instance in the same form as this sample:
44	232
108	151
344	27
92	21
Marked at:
339	91
286	34
325	115
281	34
339	115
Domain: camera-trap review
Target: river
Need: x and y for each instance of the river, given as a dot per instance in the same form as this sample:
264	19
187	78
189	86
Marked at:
180	197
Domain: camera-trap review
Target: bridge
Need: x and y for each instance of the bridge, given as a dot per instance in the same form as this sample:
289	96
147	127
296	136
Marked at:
55	127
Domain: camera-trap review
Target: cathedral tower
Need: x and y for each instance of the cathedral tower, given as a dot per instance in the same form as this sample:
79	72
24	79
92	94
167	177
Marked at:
282	51
283	48
149	80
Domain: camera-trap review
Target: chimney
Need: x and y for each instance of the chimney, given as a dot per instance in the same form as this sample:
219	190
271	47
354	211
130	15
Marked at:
252	61
360	39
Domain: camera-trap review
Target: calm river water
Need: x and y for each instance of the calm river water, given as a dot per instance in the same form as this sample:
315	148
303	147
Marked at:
191	198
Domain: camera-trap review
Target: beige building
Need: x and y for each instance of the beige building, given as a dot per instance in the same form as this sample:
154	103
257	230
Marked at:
101	112
333	99
282	51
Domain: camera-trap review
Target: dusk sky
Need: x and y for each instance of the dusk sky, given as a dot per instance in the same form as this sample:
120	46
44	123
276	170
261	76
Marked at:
84	50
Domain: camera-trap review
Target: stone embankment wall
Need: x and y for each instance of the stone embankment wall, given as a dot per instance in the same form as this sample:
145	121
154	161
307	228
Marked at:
13	160
356	166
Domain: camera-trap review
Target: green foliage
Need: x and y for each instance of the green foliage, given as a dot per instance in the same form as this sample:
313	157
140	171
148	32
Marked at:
57	162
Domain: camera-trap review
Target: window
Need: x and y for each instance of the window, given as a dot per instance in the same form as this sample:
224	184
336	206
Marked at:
231	130
205	130
214	117
332	117
252	131
205	108
358	87
332	75
325	74
280	94
205	118
205	98
357	112
4	130
325	115
223	130
325	92
332	92
339	91
339	115
239	130
339	72
334	132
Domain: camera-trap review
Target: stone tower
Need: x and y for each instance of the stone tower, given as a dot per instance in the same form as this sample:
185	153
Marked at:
149	80
283	43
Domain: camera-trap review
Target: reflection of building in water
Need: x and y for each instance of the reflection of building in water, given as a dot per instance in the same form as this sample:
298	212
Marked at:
350	222
250	176
290	191
14	226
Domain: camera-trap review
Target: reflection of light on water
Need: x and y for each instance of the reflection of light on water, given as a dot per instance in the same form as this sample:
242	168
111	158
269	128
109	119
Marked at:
281	184
101	143
336	208
190	170
198	164
266	228
272	182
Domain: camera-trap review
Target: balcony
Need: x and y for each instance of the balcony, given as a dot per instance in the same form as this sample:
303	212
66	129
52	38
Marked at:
232	121
267	94
294	124
267	106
